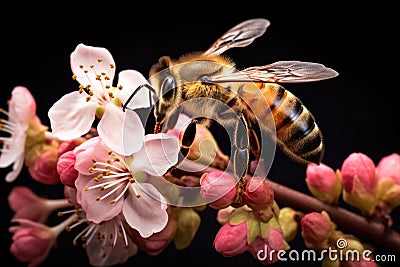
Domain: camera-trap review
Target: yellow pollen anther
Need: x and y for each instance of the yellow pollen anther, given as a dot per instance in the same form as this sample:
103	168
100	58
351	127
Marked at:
91	93
103	73
120	87
81	66
96	179
100	176
98	198
108	86
131	180
117	159
84	246
91	65
112	66
74	77
98	77
85	71
99	59
108	161
67	228
112	201
107	172
109	152
137	195
111	94
60	213
91	170
106	78
86	188
80	90
88	99
94	160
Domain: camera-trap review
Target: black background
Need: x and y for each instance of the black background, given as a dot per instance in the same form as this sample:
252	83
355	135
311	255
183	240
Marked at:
356	111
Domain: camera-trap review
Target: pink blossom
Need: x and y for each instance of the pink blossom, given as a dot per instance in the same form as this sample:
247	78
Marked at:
323	182
22	112
66	168
361	166
389	167
258	193
109	183
73	115
262	248
231	240
218	188
27	205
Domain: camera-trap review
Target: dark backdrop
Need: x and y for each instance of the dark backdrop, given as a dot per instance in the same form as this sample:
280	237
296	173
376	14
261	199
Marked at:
357	111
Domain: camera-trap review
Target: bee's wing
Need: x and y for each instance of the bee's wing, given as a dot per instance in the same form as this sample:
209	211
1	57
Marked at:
279	72
241	35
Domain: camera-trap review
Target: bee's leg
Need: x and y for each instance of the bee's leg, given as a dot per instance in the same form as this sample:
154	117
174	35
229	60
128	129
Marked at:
151	90
187	140
240	148
255	146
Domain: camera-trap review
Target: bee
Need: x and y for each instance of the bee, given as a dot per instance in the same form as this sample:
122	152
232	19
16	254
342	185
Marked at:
255	94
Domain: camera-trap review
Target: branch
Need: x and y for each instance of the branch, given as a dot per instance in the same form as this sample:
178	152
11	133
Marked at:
346	220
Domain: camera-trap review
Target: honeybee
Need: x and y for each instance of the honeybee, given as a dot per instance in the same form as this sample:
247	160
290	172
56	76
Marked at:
254	93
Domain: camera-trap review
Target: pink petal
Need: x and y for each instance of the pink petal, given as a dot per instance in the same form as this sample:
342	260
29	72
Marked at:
121	131
86	58
96	210
130	80
22	105
147	213
72	116
97	151
159	153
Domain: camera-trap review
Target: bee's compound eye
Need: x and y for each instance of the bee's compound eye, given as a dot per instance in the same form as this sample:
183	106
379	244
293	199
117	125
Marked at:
168	87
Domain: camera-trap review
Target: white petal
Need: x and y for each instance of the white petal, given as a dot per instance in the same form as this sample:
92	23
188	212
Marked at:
13	147
147	213
122	132
71	116
89	61
159	153
132	80
16	170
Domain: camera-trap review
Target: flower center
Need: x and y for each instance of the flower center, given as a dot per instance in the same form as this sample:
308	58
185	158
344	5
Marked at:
113	180
99	87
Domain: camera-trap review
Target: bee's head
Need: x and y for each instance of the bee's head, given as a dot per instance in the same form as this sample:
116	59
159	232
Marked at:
167	91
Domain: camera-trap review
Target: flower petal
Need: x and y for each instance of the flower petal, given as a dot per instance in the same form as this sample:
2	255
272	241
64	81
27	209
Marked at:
22	104
130	80
16	170
71	116
147	213
159	153
87	62
122	132
96	210
13	147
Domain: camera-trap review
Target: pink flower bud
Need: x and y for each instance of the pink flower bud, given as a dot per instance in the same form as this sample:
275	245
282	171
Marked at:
266	249
258	194
66	170
44	168
31	242
389	167
157	242
218	188
323	182
69	145
316	228
231	240
27	205
361	166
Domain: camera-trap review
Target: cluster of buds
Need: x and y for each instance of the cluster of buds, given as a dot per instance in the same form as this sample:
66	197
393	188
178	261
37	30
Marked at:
256	223
374	189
